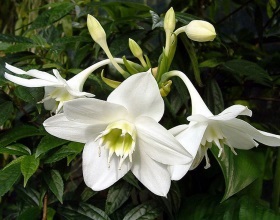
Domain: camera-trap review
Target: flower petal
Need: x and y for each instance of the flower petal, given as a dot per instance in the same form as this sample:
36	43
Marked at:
160	144
140	95
232	112
190	139
61	127
97	174
92	111
178	129
30	82
260	136
150	173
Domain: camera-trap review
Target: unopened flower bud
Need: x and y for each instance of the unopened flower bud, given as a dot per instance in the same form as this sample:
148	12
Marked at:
135	48
96	30
201	31
169	21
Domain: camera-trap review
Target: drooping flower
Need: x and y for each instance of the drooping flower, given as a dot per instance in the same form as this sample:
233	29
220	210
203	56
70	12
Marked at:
57	89
206	129
122	134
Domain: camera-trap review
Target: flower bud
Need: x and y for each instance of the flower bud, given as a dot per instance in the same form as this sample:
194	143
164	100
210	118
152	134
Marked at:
96	30
169	21
201	31
135	48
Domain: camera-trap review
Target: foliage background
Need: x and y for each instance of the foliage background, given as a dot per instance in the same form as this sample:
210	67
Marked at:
41	175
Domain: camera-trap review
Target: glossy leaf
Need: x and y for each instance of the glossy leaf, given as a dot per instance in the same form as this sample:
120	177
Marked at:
6	111
61	153
16	149
145	211
29	166
213	97
32	95
55	183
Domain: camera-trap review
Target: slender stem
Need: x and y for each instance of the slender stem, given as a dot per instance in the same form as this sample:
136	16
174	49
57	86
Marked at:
276	185
198	105
45	207
179	30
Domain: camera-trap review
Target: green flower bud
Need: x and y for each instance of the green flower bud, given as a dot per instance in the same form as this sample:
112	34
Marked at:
135	48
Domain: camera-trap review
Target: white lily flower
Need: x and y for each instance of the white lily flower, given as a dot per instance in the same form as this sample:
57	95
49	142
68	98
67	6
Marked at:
122	134
205	129
57	89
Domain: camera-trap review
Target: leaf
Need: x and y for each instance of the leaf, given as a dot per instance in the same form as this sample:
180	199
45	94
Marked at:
52	15
87	194
55	183
19	47
47	143
31	213
185	18
60	154
145	211
248	70
8	176
117	195
17	133
239	170
14	39
77	147
30	196
213	97
29	166
31	95
16	149
130	178
83	212
6	111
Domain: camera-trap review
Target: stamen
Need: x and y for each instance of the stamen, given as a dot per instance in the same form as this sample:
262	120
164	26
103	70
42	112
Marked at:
207	161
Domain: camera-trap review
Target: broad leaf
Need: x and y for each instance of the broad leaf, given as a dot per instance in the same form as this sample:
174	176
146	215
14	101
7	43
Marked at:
213	97
16	149
63	152
31	95
6	110
55	183
29	165
145	211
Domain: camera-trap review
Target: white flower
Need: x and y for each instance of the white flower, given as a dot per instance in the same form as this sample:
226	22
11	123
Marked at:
206	129
198	30
122	134
57	89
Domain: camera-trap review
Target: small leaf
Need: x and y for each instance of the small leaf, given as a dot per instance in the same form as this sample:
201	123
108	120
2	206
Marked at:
63	152
145	211
117	195
31	213
112	83
16	149
32	95
6	110
47	143
130	178
55	183
29	165
8	176
17	133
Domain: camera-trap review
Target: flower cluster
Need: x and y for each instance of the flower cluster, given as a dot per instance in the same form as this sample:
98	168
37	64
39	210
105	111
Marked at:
123	133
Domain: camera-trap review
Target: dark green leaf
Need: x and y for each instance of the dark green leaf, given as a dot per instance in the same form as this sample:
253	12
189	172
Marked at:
6	110
117	195
55	183
239	170
47	143
248	70
30	196
87	194
14	39
19	47
32	213
31	95
60	154
29	165
8	176
145	211
17	133
130	178
77	147
83	212
213	97
52	15
185	18
16	149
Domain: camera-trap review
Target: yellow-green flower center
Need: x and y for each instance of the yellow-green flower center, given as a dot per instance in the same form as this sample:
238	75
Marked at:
120	138
61	94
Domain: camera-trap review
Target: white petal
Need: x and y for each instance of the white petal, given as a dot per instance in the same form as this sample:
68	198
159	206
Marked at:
232	112
77	93
150	173
49	104
190	139
140	95
97	174
197	118
260	136
91	111
160	144
178	129
15	69
61	127
29	82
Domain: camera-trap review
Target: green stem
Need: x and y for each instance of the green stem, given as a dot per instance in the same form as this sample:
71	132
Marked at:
276	185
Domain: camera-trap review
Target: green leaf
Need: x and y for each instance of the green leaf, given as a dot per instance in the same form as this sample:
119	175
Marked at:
6	110
47	143
16	149
32	95
145	211
14	39
239	170
117	195
17	133
55	183
213	97
248	70
130	178
77	147
63	152
8	176
185	18
29	165
31	213
52	15
83	212
19	47
87	194
30	196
